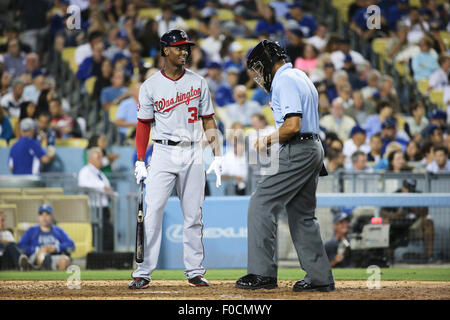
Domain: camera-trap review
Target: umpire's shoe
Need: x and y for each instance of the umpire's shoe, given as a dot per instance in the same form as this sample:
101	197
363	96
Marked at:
254	281
303	286
139	283
198	281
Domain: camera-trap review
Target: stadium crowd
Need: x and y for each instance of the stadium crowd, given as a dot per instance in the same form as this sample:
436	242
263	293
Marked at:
365	124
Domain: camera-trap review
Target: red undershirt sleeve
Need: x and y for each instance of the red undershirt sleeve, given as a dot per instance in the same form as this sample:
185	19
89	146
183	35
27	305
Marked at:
142	136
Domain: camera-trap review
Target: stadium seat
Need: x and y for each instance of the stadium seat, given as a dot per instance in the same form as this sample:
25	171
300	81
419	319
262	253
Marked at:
225	14
422	86
10	192
27	207
81	234
252	24
3	143
14	122
89	84
112	113
267	112
72	142
192	24
68	55
149	13
247	44
446	37
342	8
10	211
249	93
437	97
149	60
42	191
12	141
70	208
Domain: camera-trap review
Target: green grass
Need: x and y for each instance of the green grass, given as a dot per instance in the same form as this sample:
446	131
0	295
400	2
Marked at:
416	274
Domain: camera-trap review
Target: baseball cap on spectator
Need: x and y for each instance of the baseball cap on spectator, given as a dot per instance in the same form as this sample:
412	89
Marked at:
389	124
45	207
432	128
39	72
348	58
122	34
338	217
439	114
27	124
357	129
235	47
239	10
296	4
118	56
232	70
410	184
297	32
213	65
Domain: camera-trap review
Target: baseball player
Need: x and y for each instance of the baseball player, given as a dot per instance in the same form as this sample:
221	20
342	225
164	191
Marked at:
176	104
293	188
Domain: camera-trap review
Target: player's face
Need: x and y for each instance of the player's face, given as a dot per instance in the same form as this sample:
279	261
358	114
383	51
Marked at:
178	55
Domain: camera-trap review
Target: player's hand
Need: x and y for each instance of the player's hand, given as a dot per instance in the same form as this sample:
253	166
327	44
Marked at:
140	171
216	165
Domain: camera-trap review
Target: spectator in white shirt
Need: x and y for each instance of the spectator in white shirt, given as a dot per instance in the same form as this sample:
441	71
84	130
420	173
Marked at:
85	50
359	162
441	162
320	39
168	20
338	122
242	109
213	43
338	57
12	100
357	142
91	177
439	78
416	123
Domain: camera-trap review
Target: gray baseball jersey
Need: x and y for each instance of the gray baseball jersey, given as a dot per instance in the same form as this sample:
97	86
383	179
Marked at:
175	106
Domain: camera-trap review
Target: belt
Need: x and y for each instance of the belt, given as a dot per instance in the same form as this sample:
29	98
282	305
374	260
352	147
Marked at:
305	136
175	143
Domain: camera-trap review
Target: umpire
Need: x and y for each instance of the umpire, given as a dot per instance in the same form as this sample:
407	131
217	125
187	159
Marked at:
294	104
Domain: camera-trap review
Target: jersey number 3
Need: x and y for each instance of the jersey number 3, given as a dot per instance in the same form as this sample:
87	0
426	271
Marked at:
194	116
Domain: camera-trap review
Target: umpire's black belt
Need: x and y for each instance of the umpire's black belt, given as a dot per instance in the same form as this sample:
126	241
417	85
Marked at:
175	143
304	136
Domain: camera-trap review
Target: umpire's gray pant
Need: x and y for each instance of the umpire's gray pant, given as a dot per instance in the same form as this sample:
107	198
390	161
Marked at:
292	188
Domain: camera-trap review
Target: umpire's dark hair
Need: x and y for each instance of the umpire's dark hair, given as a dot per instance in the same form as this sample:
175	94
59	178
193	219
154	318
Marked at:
441	147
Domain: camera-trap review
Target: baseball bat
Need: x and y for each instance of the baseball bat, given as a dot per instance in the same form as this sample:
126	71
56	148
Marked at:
139	249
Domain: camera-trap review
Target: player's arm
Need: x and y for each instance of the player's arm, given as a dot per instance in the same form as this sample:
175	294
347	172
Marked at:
211	132
142	136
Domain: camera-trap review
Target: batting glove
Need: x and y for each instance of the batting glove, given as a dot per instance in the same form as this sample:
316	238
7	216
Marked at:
140	171
216	165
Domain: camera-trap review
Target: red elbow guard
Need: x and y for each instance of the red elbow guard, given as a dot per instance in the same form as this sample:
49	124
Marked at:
142	135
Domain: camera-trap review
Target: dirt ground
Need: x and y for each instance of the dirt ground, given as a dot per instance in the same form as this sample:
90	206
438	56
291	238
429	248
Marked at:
219	290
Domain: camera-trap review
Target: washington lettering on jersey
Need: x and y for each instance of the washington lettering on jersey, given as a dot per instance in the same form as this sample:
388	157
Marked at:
165	105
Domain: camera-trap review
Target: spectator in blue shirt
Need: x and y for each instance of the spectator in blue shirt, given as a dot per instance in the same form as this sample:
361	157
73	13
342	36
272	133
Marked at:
92	66
115	93
307	23
373	122
397	12
234	58
389	134
364	18
47	246
425	63
269	24
224	94
126	116
26	154
6	130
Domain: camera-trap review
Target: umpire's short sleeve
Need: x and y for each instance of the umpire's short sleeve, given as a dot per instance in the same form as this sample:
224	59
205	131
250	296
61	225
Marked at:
145	106
289	97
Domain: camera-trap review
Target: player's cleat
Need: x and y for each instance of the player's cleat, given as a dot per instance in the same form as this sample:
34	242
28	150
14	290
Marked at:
24	263
254	281
139	283
198	281
303	286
